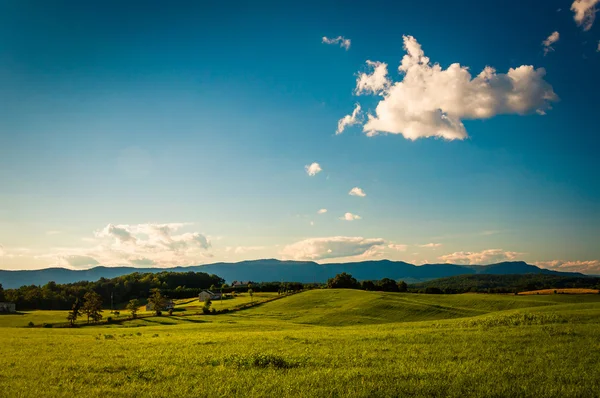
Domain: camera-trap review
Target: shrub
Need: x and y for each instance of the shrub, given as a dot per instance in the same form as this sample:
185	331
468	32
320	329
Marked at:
109	319
30	324
170	311
46	325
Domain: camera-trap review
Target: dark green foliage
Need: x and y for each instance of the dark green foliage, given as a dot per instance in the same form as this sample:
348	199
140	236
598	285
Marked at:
206	306
506	283
343	281
30	324
133	306
402	286
92	306
74	313
1	292
368	285
433	290
54	296
158	301
387	285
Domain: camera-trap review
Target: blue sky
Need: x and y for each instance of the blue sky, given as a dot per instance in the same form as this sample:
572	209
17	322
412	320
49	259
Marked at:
179	135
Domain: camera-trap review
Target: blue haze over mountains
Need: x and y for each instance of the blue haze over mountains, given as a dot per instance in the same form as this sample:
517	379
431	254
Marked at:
270	270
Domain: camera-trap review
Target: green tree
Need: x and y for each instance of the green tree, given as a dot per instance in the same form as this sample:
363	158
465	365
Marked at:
206	306
74	313
133	306
212	288
158	301
1	292
92	306
343	281
388	285
367	285
402	286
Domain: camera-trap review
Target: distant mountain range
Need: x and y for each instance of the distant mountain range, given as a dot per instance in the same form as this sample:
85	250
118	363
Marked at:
291	271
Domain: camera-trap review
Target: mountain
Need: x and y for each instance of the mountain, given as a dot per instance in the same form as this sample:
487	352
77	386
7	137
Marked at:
275	270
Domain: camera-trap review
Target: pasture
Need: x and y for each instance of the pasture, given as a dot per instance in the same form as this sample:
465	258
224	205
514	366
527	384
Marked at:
332	343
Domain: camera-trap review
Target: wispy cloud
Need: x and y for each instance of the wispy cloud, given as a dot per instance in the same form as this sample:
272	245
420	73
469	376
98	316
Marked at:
489	256
313	169
587	267
322	211
342	41
329	247
356	191
550	40
350	217
246	249
349	120
432	102
431	245
585	13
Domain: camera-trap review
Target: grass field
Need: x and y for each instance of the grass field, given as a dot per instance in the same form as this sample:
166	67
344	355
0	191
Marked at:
561	291
323	343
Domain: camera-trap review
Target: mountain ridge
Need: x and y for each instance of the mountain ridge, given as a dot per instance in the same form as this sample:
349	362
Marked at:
268	270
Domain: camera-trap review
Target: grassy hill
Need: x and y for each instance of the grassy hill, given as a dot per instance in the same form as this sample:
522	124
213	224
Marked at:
320	343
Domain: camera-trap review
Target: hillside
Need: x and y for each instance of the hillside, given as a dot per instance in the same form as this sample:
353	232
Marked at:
275	270
509	283
343	307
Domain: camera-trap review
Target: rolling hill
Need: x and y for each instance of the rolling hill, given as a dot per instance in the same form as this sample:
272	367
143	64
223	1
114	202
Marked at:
275	270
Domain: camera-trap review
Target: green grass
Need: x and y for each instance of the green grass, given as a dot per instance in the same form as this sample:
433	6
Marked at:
332	343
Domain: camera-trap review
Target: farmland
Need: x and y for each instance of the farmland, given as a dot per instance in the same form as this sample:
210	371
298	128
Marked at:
321	343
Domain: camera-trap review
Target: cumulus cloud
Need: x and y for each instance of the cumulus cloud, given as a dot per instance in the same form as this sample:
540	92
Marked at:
489	256
586	267
81	261
313	169
330	247
342	41
550	40
432	102
136	244
585	12
349	120
374	82
431	245
356	191
350	217
322	211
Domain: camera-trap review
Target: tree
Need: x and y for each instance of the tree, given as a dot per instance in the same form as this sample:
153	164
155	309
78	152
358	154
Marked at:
402	286
206	307
74	313
1	292
223	287
388	285
343	281
133	306
212	288
158	301
251	292
92	306
367	285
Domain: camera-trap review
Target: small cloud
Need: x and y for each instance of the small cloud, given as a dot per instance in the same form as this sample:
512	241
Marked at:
312	223
349	120
585	12
313	169
350	217
322	211
489	256
330	247
246	249
397	247
81	261
343	42
431	245
553	38
356	191
52	232
374	82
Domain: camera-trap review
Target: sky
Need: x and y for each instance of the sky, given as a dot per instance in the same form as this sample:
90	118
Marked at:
152	134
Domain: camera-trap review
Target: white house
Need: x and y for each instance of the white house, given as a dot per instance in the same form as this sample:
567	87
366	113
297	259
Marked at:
208	294
8	307
168	306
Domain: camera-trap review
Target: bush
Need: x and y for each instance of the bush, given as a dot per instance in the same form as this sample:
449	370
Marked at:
30	324
170	311
46	325
109	319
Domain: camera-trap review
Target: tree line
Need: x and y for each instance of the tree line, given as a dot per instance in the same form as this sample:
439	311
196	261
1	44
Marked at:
122	289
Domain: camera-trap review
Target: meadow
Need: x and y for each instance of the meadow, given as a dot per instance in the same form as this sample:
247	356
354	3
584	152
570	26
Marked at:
323	343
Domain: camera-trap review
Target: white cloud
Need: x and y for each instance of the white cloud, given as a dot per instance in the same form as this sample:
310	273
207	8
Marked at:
587	267
349	120
356	191
585	12
246	249
322	211
431	245
136	244
312	223
313	169
374	82
52	232
489	256
330	247
553	38
343	42
431	101
350	217
396	247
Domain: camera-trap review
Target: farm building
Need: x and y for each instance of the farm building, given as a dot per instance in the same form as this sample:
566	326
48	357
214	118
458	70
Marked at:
208	294
8	308
169	306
